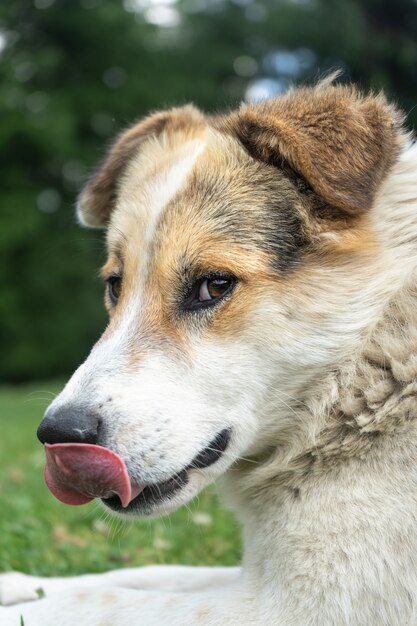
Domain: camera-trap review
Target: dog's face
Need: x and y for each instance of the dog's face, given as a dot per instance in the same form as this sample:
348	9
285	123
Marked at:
239	252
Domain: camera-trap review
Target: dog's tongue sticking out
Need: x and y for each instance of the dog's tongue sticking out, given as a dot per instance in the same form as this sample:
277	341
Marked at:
78	472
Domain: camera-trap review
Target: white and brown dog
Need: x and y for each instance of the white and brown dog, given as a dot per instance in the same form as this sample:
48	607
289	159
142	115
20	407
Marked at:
262	296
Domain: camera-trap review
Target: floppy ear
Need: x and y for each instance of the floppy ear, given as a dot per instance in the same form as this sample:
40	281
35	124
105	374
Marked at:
339	141
96	200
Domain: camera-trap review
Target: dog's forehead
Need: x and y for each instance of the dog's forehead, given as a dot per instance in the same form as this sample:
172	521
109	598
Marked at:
152	178
164	171
203	195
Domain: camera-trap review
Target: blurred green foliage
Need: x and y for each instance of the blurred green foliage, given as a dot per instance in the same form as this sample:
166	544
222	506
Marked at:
74	72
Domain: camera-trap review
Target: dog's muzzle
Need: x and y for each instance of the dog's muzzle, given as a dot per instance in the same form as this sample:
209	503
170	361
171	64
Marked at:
76	473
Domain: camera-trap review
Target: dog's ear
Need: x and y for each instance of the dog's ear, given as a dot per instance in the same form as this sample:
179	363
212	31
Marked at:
339	141
96	200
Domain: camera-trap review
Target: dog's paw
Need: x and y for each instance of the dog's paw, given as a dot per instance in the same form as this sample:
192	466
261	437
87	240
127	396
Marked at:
16	588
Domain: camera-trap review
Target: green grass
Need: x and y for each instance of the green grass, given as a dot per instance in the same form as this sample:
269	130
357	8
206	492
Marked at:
39	535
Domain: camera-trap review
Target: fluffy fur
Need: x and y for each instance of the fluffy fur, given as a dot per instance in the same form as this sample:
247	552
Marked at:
309	200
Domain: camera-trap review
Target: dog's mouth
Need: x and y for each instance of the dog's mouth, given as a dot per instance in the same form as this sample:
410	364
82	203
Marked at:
77	473
154	494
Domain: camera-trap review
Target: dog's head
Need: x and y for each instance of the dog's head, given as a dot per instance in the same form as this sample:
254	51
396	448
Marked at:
240	268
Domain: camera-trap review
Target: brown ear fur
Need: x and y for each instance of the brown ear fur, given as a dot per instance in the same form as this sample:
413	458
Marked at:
341	142
96	200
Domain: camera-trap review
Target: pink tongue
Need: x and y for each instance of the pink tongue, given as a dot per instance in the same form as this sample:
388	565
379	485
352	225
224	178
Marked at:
78	472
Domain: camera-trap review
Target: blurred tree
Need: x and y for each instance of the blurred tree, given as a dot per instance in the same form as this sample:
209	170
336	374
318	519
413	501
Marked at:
73	72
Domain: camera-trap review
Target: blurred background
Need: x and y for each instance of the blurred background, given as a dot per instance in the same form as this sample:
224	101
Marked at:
73	73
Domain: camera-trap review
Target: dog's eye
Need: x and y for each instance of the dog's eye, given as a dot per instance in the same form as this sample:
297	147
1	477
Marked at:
208	291
213	289
114	288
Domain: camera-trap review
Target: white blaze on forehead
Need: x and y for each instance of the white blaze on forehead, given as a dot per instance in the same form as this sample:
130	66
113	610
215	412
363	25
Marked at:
151	181
168	183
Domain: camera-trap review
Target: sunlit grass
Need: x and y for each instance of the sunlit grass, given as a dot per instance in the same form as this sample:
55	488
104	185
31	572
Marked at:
39	535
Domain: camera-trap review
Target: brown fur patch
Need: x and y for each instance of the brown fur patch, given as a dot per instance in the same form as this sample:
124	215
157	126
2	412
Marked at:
341	142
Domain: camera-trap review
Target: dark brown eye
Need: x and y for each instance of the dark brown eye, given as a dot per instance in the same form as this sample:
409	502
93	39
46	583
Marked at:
114	287
211	289
208	291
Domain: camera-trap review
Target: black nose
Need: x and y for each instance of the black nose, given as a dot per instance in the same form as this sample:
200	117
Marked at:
69	424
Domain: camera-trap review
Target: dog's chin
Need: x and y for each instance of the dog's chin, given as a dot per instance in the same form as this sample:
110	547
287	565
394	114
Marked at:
164	497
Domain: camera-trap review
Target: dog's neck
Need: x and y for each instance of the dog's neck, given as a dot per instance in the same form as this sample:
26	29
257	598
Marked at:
372	395
357	470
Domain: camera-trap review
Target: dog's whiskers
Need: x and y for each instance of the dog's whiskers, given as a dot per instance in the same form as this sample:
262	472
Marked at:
50	394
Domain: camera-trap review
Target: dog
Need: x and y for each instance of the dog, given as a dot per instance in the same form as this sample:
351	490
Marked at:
261	290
